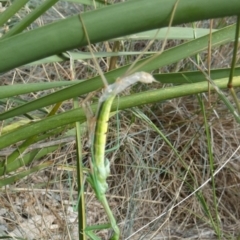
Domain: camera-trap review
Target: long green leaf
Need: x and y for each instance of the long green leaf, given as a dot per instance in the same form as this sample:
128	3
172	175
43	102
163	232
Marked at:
10	180
175	78
17	89
10	11
194	76
123	103
182	33
107	23
96	3
24	23
26	159
84	56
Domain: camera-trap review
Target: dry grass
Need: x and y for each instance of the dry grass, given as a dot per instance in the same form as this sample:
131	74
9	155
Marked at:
147	178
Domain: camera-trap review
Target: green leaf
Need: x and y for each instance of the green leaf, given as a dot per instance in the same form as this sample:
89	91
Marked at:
119	104
10	180
11	10
17	89
24	23
26	159
181	33
104	24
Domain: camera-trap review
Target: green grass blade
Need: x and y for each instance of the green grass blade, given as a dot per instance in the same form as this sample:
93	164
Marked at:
181	33
80	179
27	159
11	10
123	103
92	235
17	89
19	152
10	180
98	227
21	49
85	56
233	65
9	237
99	3
214	221
24	23
194	76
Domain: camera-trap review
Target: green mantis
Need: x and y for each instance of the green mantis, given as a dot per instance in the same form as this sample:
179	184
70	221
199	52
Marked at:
100	165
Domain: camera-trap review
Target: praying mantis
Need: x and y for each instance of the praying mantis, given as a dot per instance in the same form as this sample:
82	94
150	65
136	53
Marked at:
101	166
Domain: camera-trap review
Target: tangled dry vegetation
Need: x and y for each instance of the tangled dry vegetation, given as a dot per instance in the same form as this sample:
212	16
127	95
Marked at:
150	187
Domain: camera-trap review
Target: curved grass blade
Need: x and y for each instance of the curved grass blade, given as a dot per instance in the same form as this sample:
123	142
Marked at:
123	103
17	89
24	23
10	180
11	10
